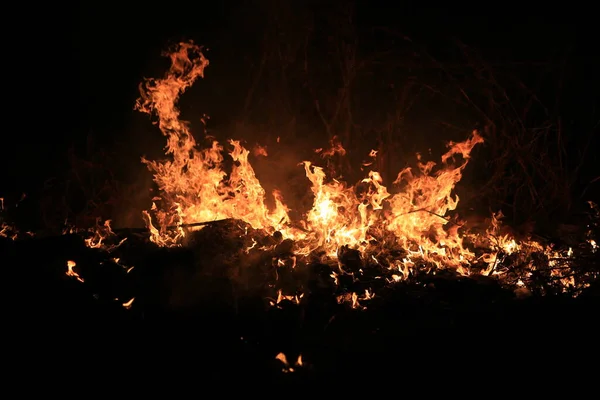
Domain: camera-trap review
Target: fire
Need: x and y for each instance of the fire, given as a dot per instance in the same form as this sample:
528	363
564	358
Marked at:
193	182
127	305
338	217
99	235
71	271
413	215
397	230
418	213
287	367
9	231
195	187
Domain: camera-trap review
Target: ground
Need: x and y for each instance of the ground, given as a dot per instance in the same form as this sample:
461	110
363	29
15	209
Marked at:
433	325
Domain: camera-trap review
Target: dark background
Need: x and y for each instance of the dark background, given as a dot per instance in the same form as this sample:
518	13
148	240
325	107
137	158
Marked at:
72	74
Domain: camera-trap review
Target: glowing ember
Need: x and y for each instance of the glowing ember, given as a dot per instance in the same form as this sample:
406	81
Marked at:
71	271
286	365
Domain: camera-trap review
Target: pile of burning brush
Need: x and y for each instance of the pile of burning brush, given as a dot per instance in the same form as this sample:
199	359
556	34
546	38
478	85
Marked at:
354	243
257	262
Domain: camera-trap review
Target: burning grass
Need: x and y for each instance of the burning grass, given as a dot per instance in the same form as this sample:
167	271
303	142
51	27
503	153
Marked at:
243	294
403	231
212	239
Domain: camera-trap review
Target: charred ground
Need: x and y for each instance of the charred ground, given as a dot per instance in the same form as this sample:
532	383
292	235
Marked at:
216	302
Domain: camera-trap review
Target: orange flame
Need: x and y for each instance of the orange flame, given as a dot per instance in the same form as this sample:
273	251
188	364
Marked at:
194	187
193	183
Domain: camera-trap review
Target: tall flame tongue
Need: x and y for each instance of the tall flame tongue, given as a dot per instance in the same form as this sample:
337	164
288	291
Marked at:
194	187
417	213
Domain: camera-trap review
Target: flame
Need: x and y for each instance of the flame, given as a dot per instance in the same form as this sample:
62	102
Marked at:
195	187
287	367
7	230
127	305
101	237
206	181
193	182
71	271
338	216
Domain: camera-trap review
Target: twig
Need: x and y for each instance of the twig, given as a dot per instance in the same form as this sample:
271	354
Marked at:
432	213
170	228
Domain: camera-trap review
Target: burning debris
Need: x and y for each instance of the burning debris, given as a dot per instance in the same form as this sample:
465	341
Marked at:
211	238
366	227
